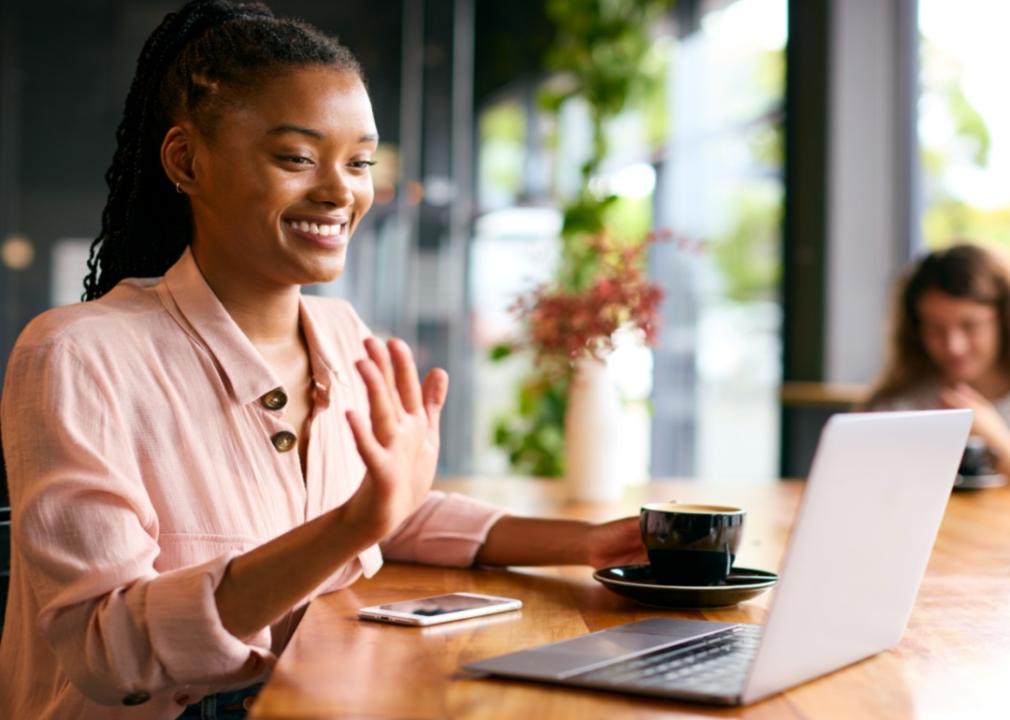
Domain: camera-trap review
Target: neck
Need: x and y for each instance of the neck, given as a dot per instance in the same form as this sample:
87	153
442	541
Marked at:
267	314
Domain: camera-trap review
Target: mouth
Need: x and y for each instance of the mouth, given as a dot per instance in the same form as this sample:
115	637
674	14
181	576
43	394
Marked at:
328	232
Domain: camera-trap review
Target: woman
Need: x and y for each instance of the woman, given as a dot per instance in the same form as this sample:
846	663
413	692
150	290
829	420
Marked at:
199	450
950	346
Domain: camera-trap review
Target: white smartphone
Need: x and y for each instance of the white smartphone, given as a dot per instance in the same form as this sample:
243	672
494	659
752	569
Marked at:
439	609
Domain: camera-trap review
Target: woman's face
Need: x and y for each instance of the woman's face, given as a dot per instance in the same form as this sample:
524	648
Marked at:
284	179
961	336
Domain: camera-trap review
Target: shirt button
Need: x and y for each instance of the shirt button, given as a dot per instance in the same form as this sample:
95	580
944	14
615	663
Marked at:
275	399
284	440
137	698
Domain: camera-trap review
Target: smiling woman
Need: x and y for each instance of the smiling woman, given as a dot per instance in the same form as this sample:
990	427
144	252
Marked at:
199	449
280	185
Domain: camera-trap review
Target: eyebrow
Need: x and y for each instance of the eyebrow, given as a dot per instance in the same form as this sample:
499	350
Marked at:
281	129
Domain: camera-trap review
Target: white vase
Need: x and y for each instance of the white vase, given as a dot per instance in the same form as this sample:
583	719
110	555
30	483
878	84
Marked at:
592	438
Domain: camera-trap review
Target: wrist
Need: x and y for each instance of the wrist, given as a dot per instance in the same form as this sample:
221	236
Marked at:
349	528
586	554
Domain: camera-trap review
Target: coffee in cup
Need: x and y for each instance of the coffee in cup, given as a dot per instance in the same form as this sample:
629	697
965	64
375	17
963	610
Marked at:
691	543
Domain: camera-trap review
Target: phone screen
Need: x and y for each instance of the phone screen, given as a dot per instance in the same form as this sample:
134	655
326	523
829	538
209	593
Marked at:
440	604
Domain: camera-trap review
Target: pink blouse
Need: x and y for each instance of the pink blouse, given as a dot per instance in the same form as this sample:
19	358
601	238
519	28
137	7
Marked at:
143	454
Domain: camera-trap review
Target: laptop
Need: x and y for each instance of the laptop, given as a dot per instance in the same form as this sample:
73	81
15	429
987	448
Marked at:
870	513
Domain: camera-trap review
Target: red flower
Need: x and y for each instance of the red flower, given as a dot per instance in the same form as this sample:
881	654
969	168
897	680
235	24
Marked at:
563	323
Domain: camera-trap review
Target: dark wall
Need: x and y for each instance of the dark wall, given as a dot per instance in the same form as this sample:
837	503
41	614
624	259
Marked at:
65	68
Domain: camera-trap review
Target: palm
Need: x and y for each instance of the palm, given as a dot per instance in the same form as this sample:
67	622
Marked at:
400	445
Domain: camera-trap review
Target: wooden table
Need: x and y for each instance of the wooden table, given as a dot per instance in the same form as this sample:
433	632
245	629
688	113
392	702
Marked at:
953	662
836	396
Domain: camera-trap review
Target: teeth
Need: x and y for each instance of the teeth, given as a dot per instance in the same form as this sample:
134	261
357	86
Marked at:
316	228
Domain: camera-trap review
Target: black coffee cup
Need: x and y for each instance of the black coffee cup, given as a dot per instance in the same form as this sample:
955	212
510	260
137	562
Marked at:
690	543
976	459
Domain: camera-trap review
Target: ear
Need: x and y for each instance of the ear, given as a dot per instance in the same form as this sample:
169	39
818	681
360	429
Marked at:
177	153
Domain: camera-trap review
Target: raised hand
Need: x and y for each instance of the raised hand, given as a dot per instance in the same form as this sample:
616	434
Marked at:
400	445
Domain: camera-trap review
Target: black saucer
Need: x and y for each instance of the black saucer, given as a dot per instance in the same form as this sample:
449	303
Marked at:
638	583
979	482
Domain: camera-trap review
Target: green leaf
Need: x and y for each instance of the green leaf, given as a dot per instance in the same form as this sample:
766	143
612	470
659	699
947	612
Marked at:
500	351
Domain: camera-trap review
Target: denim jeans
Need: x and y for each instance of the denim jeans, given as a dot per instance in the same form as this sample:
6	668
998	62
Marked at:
231	705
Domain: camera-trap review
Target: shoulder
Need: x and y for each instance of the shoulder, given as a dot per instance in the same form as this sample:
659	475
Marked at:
116	319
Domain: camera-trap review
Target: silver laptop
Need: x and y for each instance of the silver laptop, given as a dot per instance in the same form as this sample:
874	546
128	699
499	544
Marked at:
870	513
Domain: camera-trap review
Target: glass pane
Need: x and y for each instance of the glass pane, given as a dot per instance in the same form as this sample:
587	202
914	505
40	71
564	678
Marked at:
723	200
964	122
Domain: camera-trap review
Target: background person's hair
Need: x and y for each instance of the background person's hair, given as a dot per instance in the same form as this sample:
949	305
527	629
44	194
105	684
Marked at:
193	64
966	272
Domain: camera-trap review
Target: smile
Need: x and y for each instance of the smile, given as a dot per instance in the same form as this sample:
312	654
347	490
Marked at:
322	230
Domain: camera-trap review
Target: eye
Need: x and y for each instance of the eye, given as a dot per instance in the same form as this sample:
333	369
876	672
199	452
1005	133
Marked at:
295	159
361	164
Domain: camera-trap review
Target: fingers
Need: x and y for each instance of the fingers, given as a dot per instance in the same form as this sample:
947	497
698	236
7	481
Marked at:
383	414
390	377
436	387
970	393
378	354
405	372
368	448
960	396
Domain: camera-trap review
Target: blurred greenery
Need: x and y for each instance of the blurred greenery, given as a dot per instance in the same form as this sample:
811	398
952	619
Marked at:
749	253
948	217
658	64
970	125
502	132
949	220
533	435
603	54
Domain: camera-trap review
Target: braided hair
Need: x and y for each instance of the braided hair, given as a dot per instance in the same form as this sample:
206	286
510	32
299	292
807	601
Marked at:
186	69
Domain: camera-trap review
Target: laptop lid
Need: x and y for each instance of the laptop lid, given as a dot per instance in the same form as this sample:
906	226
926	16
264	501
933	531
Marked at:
858	551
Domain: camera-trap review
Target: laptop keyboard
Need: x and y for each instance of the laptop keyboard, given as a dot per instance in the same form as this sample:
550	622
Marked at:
716	664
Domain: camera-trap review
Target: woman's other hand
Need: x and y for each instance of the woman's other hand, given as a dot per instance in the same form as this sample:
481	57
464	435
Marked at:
987	423
544	541
618	542
400	445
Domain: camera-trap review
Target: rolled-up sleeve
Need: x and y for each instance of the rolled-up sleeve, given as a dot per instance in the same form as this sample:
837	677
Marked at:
448	529
88	533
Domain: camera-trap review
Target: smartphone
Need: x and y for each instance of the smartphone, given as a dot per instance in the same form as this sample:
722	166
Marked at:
439	609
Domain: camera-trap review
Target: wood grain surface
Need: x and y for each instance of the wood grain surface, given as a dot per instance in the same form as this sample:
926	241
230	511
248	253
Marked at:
953	662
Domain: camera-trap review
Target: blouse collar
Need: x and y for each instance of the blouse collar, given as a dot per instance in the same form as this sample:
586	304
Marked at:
246	373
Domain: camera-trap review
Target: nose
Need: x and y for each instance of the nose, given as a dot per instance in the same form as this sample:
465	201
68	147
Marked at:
956	343
333	189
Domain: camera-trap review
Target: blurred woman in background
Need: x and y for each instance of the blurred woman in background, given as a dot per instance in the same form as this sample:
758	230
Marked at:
950	344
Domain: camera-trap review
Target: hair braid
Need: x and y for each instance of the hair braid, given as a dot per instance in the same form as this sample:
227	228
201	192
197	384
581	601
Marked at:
207	48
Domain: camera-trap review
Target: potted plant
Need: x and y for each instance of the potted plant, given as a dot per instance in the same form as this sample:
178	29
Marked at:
600	284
